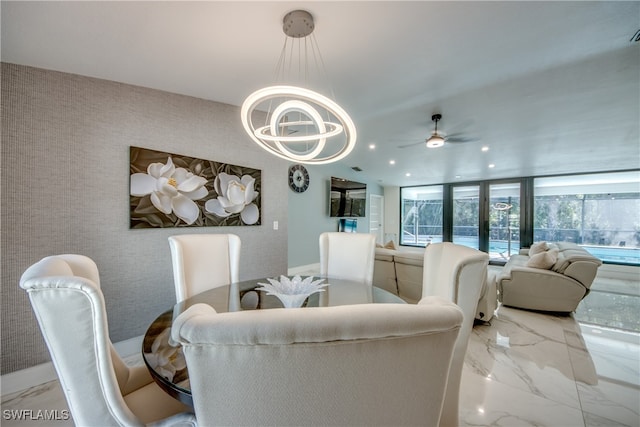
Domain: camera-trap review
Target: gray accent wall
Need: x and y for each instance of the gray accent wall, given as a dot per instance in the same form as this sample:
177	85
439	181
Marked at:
65	189
309	211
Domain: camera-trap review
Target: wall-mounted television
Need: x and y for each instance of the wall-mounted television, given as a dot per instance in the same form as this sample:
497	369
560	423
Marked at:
348	198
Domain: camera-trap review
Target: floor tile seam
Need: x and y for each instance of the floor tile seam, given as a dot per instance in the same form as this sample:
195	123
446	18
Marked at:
586	392
532	331
494	380
608	404
613	422
614	381
493	347
517	355
573	371
568	349
545	398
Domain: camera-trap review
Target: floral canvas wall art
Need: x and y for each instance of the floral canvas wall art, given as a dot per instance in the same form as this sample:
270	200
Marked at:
172	190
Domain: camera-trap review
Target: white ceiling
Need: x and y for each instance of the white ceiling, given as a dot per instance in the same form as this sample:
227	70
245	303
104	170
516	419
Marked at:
550	87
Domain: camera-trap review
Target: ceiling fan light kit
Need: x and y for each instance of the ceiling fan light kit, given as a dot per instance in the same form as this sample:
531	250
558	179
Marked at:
324	132
435	140
440	139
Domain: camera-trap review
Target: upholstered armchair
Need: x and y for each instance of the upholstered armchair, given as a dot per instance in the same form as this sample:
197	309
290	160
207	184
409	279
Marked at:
203	261
456	273
368	364
348	256
548	277
101	390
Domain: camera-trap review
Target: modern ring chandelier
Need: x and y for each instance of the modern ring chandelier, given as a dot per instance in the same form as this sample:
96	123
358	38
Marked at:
292	122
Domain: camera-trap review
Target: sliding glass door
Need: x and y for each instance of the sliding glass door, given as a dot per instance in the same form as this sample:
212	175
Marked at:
504	220
466	215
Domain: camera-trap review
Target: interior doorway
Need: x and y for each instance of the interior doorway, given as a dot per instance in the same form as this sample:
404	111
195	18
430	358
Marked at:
376	217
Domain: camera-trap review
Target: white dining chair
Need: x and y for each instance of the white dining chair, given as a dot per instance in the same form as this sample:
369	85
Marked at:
353	365
203	261
99	387
348	256
456	273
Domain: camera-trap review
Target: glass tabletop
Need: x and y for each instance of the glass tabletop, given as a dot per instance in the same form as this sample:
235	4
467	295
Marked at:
164	358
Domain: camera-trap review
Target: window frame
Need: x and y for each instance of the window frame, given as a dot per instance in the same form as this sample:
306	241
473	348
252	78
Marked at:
527	196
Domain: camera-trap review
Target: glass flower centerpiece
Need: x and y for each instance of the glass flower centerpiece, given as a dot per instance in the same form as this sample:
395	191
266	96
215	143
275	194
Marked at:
292	292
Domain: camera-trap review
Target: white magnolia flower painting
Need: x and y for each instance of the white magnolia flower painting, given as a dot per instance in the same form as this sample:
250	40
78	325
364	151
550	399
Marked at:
171	190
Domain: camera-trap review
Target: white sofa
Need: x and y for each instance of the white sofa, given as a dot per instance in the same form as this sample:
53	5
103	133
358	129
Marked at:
400	271
558	282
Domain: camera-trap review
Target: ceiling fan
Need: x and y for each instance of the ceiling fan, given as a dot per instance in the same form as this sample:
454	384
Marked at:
439	139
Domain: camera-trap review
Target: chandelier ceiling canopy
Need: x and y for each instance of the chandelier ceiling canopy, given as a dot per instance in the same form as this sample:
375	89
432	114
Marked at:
293	122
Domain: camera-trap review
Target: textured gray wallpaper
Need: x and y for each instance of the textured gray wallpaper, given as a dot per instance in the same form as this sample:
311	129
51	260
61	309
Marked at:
65	189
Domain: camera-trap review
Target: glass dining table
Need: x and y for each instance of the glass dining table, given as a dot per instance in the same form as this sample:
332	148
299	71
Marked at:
164	358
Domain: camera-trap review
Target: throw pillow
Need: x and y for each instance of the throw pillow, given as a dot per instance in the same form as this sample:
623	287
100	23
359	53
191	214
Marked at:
390	245
543	260
537	248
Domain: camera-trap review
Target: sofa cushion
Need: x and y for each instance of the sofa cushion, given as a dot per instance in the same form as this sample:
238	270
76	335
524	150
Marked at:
544	260
383	254
553	246
410	258
538	248
389	245
409	273
568	256
563	246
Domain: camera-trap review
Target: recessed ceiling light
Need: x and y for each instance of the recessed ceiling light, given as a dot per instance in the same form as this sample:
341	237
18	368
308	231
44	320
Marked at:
491	166
372	146
458	176
392	162
407	174
485	148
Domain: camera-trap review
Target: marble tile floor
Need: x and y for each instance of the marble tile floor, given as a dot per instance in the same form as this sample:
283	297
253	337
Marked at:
522	369
29	407
534	369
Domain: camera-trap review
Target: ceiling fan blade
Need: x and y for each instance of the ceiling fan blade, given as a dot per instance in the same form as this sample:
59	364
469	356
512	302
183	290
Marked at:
455	134
460	140
411	145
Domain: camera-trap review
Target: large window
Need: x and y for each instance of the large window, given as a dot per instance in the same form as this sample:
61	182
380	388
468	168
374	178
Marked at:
504	220
466	215
421	215
598	211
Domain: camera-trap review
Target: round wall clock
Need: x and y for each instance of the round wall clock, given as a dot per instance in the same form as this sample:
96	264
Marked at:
298	178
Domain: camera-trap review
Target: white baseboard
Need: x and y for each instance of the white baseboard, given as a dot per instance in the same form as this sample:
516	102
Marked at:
45	372
129	347
304	269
